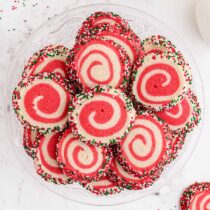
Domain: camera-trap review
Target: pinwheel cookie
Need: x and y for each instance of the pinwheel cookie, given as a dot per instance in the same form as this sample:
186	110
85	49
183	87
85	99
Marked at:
81	161
147	148
101	116
159	82
41	102
98	61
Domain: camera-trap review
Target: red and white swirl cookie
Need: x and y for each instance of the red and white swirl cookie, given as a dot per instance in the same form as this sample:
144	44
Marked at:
41	102
31	141
184	116
196	197
101	116
46	164
158	44
146	148
80	160
127	179
101	18
159	82
126	38
182	119
103	186
50	59
98	61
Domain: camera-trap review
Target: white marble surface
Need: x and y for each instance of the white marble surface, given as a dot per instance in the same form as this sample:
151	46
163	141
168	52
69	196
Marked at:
18	190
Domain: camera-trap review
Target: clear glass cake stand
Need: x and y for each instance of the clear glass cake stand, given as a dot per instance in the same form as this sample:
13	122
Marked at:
62	30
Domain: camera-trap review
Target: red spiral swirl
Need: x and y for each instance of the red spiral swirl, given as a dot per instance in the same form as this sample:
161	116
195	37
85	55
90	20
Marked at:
154	82
145	144
103	111
44	103
98	62
140	137
75	154
95	64
79	157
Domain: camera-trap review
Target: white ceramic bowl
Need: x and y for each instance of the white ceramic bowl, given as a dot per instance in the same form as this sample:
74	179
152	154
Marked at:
62	30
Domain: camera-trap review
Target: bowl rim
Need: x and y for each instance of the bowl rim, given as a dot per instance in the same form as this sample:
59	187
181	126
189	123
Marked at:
77	7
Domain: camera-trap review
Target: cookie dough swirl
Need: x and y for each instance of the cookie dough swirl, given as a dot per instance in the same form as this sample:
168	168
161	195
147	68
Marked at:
42	102
103	117
79	159
83	158
145	144
159	82
98	63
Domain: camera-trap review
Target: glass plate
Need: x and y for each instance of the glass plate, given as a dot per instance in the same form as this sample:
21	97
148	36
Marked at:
62	30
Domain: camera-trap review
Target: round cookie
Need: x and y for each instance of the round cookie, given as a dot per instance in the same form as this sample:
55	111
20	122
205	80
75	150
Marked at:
98	61
45	162
157	44
101	116
182	119
82	161
127	179
50	59
147	147
159	82
196	197
30	141
41	102
127	39
103	187
100	18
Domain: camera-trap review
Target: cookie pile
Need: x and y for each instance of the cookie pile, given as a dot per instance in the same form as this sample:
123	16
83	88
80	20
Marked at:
111	113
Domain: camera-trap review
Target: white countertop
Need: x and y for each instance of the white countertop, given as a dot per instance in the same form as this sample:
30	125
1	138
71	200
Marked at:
18	190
